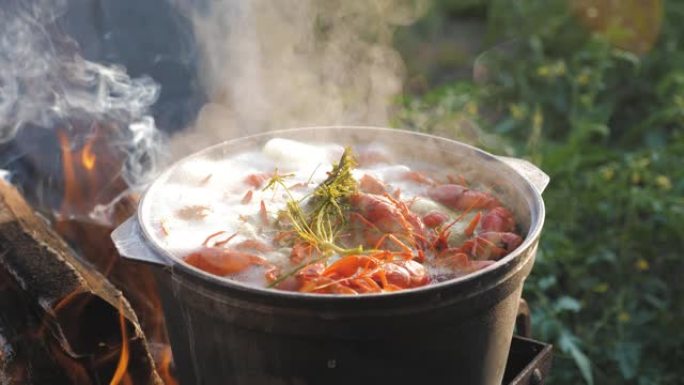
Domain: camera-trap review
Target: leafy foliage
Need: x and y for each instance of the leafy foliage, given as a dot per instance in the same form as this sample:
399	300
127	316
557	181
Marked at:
606	124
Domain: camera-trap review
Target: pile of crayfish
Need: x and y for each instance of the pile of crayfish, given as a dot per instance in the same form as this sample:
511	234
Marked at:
381	243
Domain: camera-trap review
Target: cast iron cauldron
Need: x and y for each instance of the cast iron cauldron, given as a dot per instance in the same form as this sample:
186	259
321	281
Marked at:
454	332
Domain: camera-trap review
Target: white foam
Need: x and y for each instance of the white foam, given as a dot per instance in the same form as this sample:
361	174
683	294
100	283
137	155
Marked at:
216	189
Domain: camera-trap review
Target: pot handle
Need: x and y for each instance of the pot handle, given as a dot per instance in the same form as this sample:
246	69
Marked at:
130	243
529	171
523	322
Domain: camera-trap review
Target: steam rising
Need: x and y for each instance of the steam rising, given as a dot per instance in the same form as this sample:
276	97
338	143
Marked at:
278	64
45	82
266	64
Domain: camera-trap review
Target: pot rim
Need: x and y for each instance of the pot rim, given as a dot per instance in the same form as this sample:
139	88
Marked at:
492	271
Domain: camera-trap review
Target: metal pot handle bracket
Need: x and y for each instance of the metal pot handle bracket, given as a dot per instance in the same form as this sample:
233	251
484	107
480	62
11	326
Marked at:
523	322
529	171
129	241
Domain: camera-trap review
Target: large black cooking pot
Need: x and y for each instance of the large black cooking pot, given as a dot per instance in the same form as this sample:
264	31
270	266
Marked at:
454	332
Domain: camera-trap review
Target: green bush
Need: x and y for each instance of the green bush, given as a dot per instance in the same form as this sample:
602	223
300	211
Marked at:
606	125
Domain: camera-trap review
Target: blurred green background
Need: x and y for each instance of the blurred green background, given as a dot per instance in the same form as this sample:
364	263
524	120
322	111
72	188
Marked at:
592	91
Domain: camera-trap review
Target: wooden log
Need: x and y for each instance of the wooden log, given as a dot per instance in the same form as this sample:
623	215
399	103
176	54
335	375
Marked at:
26	356
78	307
93	242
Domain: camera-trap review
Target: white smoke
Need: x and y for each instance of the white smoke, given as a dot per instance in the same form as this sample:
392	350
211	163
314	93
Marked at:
266	64
45	82
273	64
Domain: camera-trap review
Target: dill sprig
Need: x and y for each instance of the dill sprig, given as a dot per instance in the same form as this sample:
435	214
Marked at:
319	221
319	224
331	195
276	180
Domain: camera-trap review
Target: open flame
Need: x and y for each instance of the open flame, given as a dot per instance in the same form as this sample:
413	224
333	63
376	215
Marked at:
121	374
87	157
165	363
91	172
71	191
98	115
85	180
91	178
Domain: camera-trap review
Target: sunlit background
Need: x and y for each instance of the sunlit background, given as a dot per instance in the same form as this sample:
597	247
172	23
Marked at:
592	91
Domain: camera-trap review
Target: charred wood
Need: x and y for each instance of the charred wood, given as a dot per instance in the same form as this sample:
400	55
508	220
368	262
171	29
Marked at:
77	307
93	242
25	354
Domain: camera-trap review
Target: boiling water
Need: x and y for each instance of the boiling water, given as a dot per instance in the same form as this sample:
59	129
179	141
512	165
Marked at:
208	196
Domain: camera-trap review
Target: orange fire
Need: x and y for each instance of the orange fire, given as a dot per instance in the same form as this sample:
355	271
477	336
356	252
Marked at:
120	375
87	157
71	190
165	366
91	172
81	179
92	176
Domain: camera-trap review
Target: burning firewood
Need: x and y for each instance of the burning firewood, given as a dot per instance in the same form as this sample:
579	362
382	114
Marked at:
27	357
92	241
91	322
